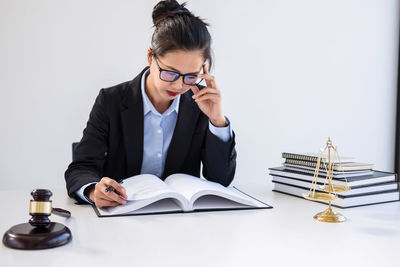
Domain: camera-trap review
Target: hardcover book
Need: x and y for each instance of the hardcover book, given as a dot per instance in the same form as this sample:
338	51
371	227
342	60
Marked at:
344	201
354	190
335	174
376	177
343	166
314	157
148	194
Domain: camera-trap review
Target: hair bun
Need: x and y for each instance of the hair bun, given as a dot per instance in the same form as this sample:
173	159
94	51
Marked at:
167	8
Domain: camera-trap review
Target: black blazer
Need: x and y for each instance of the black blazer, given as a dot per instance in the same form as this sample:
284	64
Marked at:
112	142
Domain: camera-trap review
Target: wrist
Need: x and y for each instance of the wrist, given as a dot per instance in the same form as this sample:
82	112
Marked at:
89	192
222	122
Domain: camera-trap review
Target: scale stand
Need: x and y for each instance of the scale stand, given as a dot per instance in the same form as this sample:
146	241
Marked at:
329	189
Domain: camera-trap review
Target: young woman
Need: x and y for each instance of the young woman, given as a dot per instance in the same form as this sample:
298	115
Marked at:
162	122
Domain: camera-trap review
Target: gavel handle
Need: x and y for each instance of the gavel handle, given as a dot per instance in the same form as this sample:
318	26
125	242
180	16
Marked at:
61	212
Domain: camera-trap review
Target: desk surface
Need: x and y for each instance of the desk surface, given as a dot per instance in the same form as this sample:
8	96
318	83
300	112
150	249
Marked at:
284	235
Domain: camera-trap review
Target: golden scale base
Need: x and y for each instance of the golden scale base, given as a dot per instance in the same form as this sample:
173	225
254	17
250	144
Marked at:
329	216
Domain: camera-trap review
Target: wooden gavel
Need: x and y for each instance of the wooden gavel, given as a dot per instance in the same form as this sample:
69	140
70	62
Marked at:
40	232
41	208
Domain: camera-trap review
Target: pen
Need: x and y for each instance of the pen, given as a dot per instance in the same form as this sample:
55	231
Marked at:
111	188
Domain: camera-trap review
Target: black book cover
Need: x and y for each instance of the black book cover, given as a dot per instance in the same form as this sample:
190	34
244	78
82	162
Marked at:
376	174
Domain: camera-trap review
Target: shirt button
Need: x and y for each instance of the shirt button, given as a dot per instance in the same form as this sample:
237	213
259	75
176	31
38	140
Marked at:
159	131
159	155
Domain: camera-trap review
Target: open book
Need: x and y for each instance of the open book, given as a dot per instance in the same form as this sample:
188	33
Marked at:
148	194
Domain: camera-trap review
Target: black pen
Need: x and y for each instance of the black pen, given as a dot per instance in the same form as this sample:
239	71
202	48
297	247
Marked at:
111	188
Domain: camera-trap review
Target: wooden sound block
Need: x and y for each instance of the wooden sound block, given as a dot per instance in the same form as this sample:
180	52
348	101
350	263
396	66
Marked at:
26	236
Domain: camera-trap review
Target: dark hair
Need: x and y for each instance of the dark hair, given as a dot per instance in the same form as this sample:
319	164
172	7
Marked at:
176	28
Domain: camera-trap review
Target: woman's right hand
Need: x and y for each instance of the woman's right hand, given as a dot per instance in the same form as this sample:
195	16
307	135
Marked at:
101	198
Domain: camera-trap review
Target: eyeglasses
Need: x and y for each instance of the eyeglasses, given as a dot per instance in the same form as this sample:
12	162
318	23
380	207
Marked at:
171	76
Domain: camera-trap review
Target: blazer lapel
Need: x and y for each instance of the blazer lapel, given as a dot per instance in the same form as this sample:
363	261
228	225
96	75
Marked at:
182	136
132	125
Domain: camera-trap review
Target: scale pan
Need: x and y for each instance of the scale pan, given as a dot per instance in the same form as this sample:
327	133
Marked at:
317	196
335	188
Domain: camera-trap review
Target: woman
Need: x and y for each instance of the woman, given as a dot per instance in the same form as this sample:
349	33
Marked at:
160	122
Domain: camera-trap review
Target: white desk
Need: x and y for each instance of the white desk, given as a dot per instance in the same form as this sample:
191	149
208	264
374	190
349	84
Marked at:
284	236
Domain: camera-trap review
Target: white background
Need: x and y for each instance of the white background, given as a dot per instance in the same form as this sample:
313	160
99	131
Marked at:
292	73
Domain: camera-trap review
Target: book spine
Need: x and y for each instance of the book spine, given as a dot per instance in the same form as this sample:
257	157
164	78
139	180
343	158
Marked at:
299	157
312	164
303	163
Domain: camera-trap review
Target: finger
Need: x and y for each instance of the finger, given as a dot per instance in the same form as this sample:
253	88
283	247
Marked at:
110	195
102	199
106	203
106	181
206	91
210	80
213	97
194	89
205	69
118	187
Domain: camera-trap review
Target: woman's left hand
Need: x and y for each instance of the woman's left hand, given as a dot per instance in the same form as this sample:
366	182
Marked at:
209	99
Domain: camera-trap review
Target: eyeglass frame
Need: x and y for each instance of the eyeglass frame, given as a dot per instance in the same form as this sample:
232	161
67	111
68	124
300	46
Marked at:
179	74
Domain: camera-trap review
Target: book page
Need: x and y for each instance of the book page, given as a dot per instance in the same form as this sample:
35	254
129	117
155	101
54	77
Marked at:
145	186
143	190
163	205
192	188
212	202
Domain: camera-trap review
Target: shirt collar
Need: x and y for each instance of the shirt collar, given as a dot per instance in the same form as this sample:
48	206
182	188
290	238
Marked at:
148	106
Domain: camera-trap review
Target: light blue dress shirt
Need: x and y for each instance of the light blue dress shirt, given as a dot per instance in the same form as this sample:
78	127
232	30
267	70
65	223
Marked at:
158	131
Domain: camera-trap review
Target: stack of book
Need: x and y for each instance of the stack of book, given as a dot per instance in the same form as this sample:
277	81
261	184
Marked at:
367	186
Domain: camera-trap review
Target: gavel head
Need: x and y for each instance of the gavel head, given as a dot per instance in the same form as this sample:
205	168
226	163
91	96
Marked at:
40	207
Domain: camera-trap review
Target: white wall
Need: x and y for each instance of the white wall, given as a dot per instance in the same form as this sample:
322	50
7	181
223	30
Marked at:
292	73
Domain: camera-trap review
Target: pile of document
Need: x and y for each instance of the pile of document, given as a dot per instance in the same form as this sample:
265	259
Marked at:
367	186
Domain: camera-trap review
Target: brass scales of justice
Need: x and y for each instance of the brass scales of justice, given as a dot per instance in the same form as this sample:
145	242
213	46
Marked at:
329	190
